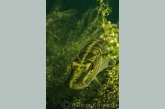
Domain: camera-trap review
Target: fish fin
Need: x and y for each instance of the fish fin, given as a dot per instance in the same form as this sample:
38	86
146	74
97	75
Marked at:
98	81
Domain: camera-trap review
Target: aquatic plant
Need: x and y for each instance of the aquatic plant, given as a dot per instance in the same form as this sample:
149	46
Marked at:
66	35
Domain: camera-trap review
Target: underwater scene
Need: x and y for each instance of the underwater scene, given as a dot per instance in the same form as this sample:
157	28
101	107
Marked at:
82	54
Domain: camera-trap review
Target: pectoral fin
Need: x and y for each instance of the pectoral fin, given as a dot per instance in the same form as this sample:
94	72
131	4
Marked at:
98	81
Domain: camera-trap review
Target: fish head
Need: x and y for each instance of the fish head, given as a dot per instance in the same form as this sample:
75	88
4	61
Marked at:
81	75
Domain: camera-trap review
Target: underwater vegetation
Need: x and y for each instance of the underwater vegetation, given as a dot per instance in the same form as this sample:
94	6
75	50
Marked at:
71	25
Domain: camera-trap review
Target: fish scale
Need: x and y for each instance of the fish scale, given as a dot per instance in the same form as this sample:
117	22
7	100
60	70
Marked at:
88	63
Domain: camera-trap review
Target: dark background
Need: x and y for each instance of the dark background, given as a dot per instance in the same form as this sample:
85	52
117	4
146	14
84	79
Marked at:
82	5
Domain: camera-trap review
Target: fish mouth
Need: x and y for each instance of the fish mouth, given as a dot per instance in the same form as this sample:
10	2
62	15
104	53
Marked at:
77	86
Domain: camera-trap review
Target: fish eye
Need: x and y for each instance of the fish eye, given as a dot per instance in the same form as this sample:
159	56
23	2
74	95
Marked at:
90	66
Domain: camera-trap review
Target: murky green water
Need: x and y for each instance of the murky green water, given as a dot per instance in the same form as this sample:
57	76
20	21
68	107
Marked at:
70	25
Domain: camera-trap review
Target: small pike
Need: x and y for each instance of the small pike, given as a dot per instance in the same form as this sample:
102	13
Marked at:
89	62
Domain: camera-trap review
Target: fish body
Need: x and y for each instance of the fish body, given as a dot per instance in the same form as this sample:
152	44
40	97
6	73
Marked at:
88	63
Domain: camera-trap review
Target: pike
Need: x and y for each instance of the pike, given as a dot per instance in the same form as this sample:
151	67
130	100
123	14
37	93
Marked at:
88	63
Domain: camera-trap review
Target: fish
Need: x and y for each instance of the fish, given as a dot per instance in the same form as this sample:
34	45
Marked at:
91	60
